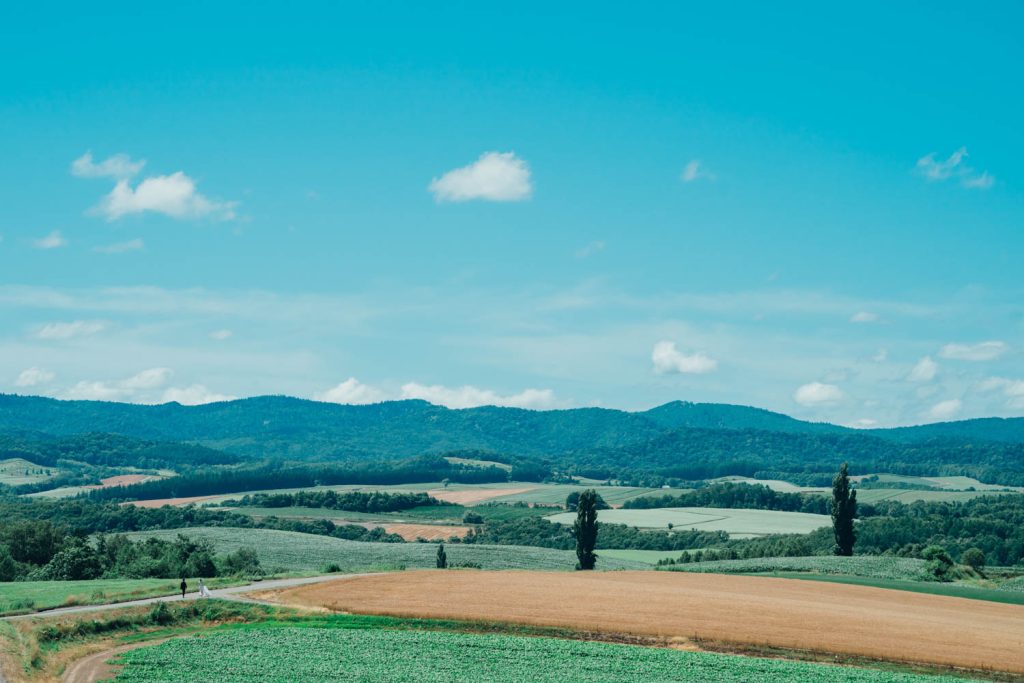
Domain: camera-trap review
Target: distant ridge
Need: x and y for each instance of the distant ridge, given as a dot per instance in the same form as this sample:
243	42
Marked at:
293	427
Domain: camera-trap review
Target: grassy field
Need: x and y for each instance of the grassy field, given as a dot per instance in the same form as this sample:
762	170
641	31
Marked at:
863	566
33	596
479	463
313	654
737	523
645	556
953	590
290	551
13	472
910	496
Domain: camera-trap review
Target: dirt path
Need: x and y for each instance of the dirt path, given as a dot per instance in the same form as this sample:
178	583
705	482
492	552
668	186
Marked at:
96	667
751	611
233	593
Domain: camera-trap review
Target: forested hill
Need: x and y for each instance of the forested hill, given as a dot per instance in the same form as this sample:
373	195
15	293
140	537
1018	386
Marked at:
277	426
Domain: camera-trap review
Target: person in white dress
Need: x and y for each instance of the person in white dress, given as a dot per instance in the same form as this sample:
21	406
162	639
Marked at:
204	592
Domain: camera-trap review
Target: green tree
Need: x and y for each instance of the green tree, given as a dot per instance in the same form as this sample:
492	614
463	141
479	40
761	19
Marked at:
442	557
585	529
8	567
974	558
844	512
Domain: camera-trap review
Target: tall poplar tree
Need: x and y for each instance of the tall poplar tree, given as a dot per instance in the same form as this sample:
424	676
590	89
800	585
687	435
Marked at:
585	529
844	511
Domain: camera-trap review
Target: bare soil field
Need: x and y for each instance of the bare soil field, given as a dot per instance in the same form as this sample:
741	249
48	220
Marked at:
742	610
471	496
431	532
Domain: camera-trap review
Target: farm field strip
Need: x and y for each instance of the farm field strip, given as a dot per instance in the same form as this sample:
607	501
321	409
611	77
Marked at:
291	551
738	523
389	655
784	613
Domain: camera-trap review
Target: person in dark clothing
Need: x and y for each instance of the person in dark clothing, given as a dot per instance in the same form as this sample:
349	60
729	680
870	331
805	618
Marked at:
184	587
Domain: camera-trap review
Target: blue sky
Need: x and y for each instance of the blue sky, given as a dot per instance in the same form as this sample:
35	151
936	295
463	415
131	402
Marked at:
813	210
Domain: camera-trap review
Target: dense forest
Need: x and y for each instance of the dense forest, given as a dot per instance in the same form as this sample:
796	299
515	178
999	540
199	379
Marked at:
669	444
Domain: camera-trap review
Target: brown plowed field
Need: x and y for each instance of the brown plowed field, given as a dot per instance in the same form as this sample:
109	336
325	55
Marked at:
470	496
431	532
786	613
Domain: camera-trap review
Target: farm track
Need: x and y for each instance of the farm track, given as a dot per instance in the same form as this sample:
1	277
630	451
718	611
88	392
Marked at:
237	593
748	611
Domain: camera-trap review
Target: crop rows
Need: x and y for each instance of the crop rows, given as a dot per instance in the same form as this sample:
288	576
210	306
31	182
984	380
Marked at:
323	654
875	567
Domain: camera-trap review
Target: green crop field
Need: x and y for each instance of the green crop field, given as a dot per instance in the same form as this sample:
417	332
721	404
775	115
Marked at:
479	463
773	484
33	596
910	495
290	551
333	654
737	523
18	471
645	556
861	565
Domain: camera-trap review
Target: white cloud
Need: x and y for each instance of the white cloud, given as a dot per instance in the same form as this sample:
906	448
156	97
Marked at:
864	423
351	391
816	393
591	249
944	410
864	317
495	176
881	356
93	391
982	351
52	241
194	395
173	195
33	376
78	328
471	397
695	170
147	379
221	335
668	359
121	247
118	167
954	167
924	371
1012	389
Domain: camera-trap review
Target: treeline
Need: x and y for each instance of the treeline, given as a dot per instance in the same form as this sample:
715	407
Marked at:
284	475
350	501
42	552
108	450
537	531
27	524
733	495
694	454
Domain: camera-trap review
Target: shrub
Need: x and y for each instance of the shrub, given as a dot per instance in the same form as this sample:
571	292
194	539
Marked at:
973	558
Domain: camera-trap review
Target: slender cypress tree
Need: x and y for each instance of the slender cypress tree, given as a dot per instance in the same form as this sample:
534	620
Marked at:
442	557
844	511
585	529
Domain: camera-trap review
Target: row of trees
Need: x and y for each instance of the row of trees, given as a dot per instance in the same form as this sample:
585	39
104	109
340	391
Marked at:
57	557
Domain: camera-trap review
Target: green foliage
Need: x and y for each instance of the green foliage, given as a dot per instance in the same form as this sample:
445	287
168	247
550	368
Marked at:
442	558
243	562
585	529
844	512
573	499
940	564
735	495
8	567
974	558
392	655
351	501
472	518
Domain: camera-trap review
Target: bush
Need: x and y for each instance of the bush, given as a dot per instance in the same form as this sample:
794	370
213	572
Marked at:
331	568
472	518
973	558
940	564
